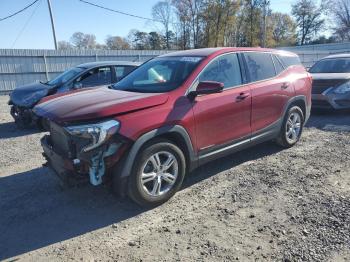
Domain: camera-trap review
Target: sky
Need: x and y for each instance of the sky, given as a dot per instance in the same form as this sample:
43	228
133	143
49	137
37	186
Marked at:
31	29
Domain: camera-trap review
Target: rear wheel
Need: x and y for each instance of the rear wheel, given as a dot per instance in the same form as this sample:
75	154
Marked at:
292	127
158	173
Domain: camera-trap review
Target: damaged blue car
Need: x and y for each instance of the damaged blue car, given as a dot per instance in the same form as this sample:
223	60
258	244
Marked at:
94	74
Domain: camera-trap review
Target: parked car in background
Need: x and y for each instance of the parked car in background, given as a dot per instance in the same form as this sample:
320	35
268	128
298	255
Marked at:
174	113
94	74
331	82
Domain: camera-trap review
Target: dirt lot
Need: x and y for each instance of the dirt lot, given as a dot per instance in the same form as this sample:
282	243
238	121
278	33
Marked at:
257	205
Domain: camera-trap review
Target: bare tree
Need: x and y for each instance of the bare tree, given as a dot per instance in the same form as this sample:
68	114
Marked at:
341	12
309	19
117	43
64	45
83	41
162	11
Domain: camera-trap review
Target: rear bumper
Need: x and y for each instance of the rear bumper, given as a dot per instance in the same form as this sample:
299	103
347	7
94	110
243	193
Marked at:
331	101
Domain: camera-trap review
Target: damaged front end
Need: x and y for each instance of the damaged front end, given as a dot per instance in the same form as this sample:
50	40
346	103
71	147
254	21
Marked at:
23	99
84	151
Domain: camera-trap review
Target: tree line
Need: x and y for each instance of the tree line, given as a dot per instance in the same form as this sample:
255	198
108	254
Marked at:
185	24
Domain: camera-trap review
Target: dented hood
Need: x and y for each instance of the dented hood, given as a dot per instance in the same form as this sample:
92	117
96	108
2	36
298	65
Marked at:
96	103
28	95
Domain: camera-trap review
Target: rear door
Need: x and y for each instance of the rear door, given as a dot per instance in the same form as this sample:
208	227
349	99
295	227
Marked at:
121	71
270	89
224	117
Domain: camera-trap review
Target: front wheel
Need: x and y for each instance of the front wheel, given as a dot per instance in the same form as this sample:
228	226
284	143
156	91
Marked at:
292	127
158	173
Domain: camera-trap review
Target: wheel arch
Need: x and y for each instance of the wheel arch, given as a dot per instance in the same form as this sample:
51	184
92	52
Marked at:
299	101
176	134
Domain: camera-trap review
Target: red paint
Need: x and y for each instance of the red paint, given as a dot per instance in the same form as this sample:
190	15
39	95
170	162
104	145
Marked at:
211	119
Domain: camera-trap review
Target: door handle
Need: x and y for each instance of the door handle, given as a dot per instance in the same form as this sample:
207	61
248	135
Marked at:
284	85
242	96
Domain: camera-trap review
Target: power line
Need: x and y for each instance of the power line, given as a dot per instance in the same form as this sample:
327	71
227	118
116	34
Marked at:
20	11
119	12
25	25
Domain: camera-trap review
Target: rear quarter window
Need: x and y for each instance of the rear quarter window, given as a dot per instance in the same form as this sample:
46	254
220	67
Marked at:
289	60
260	66
278	65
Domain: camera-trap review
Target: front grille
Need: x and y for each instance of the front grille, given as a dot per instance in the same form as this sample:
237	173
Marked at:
343	102
60	140
319	86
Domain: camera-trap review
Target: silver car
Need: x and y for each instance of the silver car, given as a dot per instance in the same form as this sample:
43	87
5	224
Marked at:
331	82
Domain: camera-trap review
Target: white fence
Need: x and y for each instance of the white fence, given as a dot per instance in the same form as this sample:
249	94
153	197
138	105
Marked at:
309	54
21	66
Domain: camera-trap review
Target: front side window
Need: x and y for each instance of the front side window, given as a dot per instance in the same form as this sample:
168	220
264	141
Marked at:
224	69
260	66
96	76
65	76
333	65
159	75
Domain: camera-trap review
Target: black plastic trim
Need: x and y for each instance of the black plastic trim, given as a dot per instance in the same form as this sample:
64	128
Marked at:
127	167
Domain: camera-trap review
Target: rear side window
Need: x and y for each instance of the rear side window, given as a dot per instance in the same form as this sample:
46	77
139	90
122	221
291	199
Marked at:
122	71
278	66
224	69
260	66
289	60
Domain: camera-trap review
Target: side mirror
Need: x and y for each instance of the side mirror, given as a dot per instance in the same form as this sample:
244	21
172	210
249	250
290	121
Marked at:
207	87
77	85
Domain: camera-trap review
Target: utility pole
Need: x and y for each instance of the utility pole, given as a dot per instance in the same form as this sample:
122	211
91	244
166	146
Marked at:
266	4
52	24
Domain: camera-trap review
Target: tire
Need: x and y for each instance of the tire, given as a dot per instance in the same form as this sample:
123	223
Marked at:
292	127
143	183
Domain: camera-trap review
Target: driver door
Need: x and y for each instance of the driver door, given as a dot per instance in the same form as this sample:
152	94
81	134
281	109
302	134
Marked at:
222	118
94	77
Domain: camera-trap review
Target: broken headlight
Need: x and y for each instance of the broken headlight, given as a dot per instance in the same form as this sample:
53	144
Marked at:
342	89
97	133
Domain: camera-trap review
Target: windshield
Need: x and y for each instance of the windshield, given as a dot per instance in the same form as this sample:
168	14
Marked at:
339	65
65	76
159	75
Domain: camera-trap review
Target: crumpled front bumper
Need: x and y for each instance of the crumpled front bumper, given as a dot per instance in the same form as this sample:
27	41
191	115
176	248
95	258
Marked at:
67	170
89	167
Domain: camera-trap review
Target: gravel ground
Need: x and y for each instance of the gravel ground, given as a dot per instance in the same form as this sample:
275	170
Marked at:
261	204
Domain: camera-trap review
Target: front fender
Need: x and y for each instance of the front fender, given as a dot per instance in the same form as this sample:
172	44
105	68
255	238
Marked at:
124	168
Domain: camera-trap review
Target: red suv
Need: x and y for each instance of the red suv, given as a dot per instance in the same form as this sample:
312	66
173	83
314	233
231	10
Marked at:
174	113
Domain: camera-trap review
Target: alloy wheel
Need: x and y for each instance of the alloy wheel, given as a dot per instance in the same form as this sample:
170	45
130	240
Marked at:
293	128
159	173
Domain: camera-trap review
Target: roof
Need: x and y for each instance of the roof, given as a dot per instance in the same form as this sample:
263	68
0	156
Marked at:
220	50
337	56
109	63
